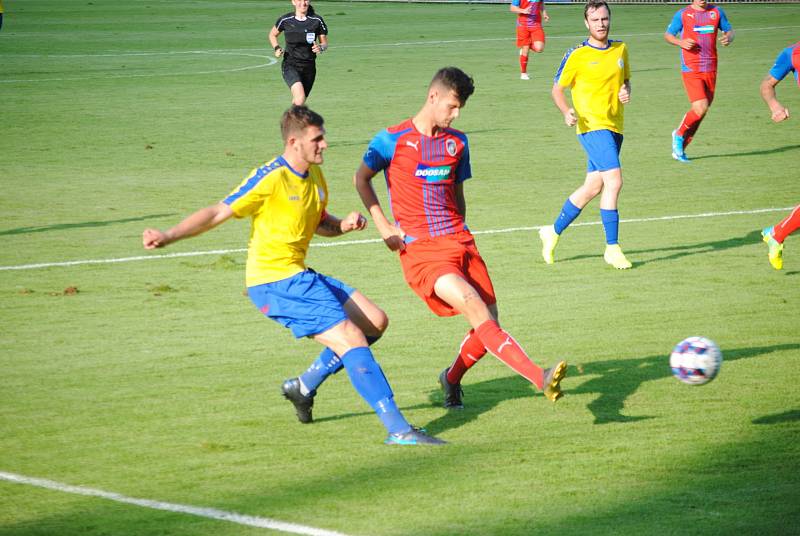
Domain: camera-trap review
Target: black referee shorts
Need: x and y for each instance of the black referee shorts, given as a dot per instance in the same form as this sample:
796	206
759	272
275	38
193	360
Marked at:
305	74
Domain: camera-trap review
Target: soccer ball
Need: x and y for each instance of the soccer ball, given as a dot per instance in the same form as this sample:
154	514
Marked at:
695	360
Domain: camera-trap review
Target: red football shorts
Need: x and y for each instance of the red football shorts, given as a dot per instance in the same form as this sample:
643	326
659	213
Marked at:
700	86
426	260
528	36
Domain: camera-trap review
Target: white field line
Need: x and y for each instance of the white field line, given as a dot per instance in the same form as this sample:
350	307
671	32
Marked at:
210	513
236	51
270	61
377	240
571	37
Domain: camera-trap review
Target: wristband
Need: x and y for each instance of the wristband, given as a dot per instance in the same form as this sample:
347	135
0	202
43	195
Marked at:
276	48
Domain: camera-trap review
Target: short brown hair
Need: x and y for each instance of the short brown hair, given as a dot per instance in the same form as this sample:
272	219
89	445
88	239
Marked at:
456	80
297	118
595	4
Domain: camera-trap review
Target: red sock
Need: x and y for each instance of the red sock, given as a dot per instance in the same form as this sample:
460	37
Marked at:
689	125
523	63
470	352
786	227
505	348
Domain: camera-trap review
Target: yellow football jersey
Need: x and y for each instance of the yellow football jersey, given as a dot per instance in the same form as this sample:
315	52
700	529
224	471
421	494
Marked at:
595	76
286	208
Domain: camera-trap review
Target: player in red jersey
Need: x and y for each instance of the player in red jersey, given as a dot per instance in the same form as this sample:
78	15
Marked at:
694	29
530	34
425	163
788	61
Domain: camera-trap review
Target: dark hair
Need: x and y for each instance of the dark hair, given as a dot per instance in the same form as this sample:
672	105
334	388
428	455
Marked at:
297	118
595	4
310	10
456	80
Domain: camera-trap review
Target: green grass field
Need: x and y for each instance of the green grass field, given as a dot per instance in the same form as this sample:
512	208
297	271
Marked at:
159	380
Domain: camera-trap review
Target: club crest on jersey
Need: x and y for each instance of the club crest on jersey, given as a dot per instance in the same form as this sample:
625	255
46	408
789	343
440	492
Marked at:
450	147
321	193
621	63
432	173
310	36
713	15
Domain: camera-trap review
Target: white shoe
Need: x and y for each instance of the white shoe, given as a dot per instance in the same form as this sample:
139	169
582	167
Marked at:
549	239
524	76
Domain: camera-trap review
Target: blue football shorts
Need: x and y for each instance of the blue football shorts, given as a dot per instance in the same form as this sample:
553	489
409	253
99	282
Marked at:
602	148
308	303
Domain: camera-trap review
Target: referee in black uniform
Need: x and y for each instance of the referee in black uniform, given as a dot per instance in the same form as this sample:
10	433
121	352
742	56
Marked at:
306	37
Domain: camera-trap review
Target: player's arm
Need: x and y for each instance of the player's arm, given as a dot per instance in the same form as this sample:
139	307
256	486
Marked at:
330	225
273	41
391	234
514	8
560	98
322	46
727	37
727	30
625	92
685	44
461	201
545	16
201	221
779	112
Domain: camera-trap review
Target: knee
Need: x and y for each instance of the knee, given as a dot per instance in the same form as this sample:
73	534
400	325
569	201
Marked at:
700	108
538	47
379	324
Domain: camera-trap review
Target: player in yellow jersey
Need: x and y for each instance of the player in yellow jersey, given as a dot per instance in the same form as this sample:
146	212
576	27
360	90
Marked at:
598	75
286	199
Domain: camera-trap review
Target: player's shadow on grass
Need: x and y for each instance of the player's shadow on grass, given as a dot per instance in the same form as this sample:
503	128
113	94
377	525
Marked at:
80	225
750	153
787	416
617	379
613	380
685	250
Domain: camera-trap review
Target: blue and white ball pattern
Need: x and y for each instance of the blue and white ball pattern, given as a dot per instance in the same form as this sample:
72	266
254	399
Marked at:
695	360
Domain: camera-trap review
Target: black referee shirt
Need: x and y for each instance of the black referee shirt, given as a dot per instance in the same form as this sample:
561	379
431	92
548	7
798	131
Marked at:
300	36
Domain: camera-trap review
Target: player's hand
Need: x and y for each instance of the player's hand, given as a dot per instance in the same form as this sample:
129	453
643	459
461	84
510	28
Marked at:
153	238
545	16
353	222
780	114
725	39
688	44
316	49
570	118
278	52
624	94
395	238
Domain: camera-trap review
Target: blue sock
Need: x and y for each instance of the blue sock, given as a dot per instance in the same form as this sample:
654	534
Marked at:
325	365
368	379
611	225
568	214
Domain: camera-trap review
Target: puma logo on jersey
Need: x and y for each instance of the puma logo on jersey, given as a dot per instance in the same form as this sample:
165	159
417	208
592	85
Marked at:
412	144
